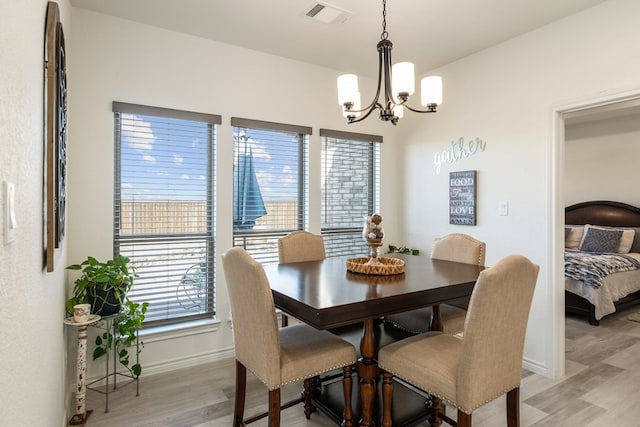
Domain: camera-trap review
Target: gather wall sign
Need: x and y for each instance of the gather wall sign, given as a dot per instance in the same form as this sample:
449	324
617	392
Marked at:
458	149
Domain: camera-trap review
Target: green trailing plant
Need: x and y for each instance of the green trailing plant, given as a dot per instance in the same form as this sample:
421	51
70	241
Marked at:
127	325
113	276
402	250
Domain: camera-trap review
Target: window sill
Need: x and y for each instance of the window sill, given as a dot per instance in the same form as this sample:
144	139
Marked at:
164	332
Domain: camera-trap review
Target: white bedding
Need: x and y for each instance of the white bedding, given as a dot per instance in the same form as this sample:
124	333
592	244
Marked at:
614	287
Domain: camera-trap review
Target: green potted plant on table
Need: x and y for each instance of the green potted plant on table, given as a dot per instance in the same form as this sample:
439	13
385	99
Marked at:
104	285
402	250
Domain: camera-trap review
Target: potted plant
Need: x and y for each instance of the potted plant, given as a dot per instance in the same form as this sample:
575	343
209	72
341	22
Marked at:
104	285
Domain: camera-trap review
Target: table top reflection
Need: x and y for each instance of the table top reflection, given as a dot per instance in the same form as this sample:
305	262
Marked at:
325	295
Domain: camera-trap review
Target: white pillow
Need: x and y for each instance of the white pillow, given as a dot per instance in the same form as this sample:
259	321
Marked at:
572	241
626	241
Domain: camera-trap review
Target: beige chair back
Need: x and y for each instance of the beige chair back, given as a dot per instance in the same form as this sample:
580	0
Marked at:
494	332
459	247
300	246
255	328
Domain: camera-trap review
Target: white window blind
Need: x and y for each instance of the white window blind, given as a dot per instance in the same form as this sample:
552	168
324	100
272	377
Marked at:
350	189
269	185
164	208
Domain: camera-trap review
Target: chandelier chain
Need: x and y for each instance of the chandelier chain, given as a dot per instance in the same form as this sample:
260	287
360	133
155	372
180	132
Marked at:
384	34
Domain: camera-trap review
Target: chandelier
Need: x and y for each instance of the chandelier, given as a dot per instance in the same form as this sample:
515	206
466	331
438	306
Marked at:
399	84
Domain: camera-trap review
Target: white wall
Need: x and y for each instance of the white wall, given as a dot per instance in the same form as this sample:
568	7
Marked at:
121	60
33	383
507	96
601	160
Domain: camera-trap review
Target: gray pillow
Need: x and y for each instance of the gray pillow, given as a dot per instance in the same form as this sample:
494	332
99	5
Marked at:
600	240
636	240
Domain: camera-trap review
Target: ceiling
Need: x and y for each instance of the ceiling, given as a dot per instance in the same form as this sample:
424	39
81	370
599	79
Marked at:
429	33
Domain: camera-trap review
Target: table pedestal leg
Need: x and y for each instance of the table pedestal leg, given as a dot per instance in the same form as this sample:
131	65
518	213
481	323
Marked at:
81	415
436	319
368	371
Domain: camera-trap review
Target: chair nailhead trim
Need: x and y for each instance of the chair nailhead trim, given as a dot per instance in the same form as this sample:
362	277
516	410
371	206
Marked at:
465	410
302	378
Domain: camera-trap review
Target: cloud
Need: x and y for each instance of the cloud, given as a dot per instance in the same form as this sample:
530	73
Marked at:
177	159
148	158
136	132
258	149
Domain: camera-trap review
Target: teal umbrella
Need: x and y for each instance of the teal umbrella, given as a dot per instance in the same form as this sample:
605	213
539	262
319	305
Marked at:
248	204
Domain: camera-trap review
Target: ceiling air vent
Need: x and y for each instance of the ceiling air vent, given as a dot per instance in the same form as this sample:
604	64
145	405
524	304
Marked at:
327	13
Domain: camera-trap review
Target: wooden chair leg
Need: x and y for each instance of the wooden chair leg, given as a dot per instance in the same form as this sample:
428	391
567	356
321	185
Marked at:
347	416
316	386
387	395
513	407
285	320
274	408
241	388
464	420
435	418
307	395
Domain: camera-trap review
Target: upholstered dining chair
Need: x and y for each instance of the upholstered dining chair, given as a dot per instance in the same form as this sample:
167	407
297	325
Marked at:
277	356
299	246
484	363
457	247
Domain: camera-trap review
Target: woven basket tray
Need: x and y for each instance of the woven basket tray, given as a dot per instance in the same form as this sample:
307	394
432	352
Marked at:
386	267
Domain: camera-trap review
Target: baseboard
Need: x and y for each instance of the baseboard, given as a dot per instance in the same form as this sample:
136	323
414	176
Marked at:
535	366
177	363
188	361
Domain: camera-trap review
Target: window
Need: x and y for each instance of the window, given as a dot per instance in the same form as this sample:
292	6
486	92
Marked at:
350	189
164	205
269	184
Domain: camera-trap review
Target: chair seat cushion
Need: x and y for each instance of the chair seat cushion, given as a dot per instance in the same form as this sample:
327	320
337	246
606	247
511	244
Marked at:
307	352
428	361
417	321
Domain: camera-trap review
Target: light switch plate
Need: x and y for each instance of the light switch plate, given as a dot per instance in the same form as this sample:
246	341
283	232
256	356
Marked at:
503	208
9	223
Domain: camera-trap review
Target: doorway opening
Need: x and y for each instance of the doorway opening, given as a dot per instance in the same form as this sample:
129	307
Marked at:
566	119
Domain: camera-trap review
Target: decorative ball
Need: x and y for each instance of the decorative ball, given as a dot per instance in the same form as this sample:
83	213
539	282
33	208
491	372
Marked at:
373	227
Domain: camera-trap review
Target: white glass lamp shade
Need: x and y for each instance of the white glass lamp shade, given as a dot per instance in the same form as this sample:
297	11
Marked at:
431	88
398	111
347	88
356	106
402	78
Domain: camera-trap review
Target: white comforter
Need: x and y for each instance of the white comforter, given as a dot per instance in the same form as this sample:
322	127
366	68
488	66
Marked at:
614	287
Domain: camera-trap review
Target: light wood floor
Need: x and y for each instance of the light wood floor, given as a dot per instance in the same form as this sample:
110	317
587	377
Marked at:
601	388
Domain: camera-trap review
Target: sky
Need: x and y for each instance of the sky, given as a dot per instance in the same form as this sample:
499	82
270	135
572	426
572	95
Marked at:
166	159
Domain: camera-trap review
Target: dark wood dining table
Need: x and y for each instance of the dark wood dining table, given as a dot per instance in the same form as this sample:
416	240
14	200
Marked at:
325	295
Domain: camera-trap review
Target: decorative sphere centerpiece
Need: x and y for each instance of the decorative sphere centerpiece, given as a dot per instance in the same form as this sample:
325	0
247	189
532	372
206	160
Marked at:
373	234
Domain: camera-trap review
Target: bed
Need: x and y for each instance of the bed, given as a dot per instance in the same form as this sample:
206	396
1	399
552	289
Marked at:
615	291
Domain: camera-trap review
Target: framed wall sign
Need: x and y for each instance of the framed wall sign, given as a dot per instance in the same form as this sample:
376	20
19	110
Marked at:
462	198
55	134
